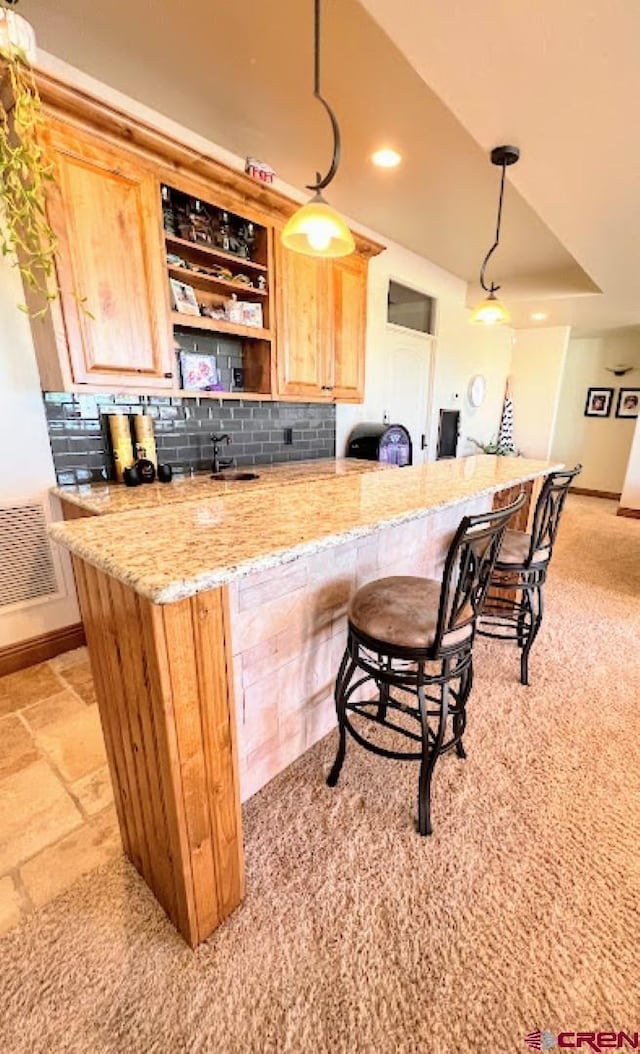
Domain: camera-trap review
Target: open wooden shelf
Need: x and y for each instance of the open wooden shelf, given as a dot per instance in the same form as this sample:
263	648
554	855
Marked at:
206	281
214	254
219	325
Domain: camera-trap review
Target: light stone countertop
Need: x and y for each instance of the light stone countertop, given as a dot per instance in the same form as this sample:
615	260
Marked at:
107	498
197	545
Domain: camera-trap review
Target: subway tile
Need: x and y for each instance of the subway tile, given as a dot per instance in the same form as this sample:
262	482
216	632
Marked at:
80	440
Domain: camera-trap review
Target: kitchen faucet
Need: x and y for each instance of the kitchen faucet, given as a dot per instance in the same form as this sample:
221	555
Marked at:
219	462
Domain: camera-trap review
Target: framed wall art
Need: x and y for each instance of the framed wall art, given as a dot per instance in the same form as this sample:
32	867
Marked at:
598	402
628	402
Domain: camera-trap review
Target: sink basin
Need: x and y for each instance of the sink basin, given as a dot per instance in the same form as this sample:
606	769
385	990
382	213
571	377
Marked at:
235	477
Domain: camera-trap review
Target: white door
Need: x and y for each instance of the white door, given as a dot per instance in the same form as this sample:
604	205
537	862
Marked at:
409	371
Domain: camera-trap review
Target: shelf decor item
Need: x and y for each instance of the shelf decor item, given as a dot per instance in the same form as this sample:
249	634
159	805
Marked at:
184	298
200	372
491	311
316	229
25	233
628	402
598	402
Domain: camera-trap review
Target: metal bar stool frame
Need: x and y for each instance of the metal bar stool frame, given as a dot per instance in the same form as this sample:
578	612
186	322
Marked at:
505	617
439	677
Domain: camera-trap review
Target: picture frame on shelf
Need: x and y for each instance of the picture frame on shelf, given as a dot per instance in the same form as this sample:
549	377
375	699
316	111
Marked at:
184	297
628	403
598	402
200	372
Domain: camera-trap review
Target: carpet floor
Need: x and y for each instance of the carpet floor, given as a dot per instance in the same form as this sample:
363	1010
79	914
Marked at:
521	912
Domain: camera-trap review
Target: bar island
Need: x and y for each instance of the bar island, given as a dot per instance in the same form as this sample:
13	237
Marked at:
215	629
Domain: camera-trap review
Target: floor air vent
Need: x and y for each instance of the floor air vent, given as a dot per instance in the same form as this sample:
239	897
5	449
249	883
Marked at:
28	570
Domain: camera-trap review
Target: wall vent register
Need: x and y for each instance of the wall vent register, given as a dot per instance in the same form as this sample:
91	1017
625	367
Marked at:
28	571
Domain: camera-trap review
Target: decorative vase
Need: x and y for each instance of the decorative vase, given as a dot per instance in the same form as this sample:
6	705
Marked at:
17	35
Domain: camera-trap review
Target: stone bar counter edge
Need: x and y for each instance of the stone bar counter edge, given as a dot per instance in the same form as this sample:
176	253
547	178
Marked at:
199	545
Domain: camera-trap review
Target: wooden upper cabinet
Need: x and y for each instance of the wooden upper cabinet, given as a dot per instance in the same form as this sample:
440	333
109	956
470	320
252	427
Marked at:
303	325
105	209
321	327
349	316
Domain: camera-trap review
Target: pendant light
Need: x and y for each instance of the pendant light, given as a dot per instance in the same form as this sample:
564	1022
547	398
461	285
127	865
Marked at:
491	311
316	229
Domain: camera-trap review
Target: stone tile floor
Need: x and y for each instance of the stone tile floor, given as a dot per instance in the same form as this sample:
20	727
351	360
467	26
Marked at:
57	819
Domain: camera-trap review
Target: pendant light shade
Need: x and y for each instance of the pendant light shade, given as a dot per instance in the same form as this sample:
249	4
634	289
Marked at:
491	311
316	229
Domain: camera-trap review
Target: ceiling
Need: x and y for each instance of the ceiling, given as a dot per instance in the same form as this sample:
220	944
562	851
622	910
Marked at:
441	83
560	80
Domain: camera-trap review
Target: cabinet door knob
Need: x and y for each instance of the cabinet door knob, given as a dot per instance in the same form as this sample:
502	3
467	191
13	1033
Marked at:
168	376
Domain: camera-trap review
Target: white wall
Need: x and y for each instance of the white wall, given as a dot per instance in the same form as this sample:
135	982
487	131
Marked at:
631	487
26	465
460	350
602	445
537	368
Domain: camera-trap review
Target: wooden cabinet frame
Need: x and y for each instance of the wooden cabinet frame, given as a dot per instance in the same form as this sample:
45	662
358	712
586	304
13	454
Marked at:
322	311
95	184
137	146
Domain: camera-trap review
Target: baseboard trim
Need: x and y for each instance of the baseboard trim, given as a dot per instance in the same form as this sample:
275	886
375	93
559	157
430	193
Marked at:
611	495
633	514
25	653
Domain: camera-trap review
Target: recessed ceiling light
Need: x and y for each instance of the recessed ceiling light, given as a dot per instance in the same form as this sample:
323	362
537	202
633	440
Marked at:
538	316
386	158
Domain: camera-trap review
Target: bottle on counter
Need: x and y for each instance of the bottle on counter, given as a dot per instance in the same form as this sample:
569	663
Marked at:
144	436
145	468
121	446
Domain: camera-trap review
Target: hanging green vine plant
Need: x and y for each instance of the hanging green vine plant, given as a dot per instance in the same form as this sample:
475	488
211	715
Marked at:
25	233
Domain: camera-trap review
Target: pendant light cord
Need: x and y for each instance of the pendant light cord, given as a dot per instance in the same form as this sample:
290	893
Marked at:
493	288
323	181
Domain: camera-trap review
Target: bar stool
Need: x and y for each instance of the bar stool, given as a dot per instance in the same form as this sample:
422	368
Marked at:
515	602
415	636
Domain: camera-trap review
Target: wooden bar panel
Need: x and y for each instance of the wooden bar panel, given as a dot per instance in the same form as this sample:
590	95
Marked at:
523	518
165	691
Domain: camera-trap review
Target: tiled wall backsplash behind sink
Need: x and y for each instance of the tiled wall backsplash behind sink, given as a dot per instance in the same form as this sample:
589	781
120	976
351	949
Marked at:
78	431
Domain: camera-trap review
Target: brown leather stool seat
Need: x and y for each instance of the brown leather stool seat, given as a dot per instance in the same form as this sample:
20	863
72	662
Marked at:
515	551
401	611
409	654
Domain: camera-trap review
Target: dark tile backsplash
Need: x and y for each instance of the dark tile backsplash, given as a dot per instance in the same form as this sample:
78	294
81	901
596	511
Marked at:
78	431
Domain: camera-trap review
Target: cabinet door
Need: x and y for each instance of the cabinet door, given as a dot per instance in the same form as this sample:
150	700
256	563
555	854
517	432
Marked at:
304	326
349	313
106	212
